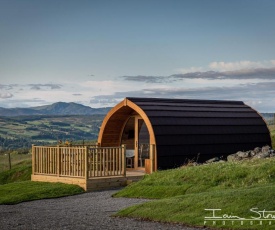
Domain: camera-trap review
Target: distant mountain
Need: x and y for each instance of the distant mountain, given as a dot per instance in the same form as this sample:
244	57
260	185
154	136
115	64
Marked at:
268	116
59	108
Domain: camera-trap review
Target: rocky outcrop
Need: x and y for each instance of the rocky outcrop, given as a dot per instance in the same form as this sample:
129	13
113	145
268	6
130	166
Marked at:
263	152
257	153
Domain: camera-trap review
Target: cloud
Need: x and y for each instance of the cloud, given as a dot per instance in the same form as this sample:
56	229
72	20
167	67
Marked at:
238	92
5	95
242	74
35	87
104	100
259	95
8	87
110	100
260	73
23	103
210	75
190	70
146	79
230	70
234	92
230	66
40	86
227	85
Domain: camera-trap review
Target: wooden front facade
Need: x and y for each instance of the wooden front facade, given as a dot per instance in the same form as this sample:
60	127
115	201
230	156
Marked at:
127	124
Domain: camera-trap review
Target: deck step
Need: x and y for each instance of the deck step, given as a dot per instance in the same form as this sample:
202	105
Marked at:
96	184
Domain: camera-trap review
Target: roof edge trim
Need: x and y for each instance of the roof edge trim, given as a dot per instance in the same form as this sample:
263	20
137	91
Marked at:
144	116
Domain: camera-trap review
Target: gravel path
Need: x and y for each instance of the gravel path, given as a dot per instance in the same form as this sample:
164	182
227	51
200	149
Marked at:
85	211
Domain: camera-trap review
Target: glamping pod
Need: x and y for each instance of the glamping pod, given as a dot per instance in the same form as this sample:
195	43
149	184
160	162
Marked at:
166	133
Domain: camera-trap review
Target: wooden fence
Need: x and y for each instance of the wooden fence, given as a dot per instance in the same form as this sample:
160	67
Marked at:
106	161
78	161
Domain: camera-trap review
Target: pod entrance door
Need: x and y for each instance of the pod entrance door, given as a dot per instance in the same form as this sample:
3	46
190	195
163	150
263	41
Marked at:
136	137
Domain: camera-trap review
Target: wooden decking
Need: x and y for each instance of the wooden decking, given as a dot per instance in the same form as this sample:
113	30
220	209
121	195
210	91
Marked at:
92	168
96	183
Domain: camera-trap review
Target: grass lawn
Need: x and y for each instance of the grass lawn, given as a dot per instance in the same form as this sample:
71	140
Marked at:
189	209
182	195
17	192
16	187
211	177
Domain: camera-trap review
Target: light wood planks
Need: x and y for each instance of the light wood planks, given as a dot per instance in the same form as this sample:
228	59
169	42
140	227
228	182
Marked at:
106	161
92	168
83	162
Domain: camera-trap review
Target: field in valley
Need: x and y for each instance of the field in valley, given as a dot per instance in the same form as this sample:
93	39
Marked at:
22	131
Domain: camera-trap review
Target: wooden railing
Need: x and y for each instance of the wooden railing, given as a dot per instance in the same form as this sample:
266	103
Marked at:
106	161
83	162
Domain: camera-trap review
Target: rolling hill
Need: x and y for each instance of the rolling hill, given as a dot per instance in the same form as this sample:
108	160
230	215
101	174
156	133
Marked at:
23	131
58	108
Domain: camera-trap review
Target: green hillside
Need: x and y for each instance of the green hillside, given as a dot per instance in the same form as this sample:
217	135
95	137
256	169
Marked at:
58	108
183	195
23	131
16	187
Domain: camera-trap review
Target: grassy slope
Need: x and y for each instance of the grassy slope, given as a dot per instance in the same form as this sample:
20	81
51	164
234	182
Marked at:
15	160
190	209
273	138
16	187
184	193
203	178
217	176
14	193
21	172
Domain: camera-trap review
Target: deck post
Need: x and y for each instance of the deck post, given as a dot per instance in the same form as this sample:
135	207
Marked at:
33	159
123	157
86	163
152	155
58	163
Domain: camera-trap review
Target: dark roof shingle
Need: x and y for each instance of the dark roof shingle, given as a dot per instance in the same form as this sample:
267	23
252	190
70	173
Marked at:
183	128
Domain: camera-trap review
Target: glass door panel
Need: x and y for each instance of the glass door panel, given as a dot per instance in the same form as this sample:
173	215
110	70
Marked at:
128	139
135	136
143	142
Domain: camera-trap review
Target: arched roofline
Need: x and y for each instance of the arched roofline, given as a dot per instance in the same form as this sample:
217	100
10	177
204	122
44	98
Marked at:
136	108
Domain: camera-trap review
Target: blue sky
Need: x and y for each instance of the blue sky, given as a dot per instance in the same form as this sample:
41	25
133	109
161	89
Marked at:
98	52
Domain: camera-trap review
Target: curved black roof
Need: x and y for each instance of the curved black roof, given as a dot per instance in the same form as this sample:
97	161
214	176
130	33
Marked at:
184	128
